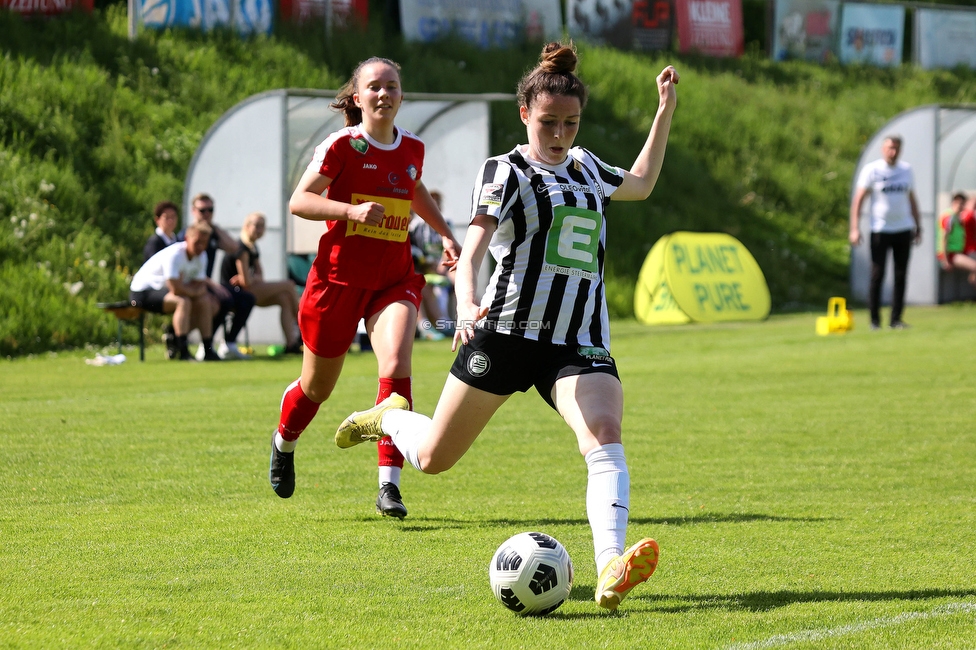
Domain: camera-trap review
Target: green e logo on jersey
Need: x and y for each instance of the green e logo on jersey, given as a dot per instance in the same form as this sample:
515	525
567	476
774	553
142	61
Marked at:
573	242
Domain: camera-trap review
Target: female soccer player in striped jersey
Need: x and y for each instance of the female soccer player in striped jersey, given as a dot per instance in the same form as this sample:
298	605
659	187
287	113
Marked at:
370	175
540	210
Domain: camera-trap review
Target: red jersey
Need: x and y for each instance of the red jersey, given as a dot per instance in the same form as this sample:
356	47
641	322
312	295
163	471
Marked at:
968	218
362	169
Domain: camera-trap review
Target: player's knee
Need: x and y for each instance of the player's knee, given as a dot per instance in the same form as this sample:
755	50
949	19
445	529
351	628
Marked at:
607	432
317	392
433	465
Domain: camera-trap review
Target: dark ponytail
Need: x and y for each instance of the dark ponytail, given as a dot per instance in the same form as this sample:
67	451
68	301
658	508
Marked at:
555	75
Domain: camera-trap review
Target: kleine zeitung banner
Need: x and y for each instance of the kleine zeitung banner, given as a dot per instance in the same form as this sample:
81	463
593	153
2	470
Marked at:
712	27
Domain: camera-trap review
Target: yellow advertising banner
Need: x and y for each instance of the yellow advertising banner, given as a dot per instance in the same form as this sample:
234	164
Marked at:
713	277
653	302
704	277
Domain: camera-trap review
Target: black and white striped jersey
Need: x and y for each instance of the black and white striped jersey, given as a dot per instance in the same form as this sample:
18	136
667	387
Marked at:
549	245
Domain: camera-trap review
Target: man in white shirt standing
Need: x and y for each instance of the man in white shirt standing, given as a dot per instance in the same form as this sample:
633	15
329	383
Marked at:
895	223
174	281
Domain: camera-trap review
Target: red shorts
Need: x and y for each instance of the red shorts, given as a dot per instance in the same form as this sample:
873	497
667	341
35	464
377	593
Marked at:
328	318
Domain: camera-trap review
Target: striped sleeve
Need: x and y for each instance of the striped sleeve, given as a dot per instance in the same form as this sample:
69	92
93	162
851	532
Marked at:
610	177
495	189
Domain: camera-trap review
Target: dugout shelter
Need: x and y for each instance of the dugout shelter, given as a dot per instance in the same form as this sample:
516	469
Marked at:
939	142
251	159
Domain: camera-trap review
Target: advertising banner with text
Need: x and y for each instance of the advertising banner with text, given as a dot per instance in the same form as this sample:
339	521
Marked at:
712	27
945	39
627	25
703	277
46	7
245	16
872	34
805	30
338	14
498	23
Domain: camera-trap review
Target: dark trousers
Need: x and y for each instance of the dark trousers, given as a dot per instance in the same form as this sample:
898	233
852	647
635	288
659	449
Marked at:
900	244
240	303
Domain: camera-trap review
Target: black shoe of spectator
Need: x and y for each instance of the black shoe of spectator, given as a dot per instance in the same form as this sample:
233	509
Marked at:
389	503
294	349
169	340
210	355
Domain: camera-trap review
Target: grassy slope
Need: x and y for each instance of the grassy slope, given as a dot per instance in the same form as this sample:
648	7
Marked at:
798	485
95	129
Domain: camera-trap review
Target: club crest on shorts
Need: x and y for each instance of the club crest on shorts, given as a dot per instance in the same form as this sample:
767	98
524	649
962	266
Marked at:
478	364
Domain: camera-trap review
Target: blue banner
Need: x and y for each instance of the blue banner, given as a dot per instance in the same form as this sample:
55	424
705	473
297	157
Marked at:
872	34
485	23
246	16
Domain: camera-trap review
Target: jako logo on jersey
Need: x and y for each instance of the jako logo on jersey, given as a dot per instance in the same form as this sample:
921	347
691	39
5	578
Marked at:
359	144
369	166
478	364
393	178
412	172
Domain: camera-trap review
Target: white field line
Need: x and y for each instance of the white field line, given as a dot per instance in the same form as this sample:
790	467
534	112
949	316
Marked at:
853	628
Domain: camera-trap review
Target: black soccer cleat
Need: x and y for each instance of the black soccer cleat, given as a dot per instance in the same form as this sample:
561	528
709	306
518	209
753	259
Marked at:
282	472
389	503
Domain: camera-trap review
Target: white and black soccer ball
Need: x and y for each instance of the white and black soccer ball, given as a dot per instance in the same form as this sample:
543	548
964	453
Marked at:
531	574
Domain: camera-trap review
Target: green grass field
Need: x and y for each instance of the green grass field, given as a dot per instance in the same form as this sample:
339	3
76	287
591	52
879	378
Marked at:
807	492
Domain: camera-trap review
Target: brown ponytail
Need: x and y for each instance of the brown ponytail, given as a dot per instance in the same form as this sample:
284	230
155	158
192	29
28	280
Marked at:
553	76
344	102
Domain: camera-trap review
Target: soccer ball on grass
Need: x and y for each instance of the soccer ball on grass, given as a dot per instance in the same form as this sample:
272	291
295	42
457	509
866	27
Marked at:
531	574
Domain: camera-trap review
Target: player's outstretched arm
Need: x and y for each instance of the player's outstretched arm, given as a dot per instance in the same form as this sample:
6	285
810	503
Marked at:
643	175
469	310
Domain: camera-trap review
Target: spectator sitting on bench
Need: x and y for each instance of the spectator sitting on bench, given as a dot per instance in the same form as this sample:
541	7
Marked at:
244	270
952	249
166	216
174	281
233	300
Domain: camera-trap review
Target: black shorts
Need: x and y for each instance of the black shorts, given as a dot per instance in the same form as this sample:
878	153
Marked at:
502	363
150	299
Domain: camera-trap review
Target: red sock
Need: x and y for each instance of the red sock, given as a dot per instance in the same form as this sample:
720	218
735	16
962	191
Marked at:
389	455
297	410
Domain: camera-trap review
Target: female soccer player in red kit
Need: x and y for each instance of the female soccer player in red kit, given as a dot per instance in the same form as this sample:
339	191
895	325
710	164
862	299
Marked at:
363	180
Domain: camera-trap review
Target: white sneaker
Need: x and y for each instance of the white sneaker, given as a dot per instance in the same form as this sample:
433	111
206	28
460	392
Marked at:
230	351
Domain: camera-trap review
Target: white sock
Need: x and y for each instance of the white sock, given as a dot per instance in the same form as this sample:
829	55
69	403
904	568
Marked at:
286	446
390	474
408	429
607	501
